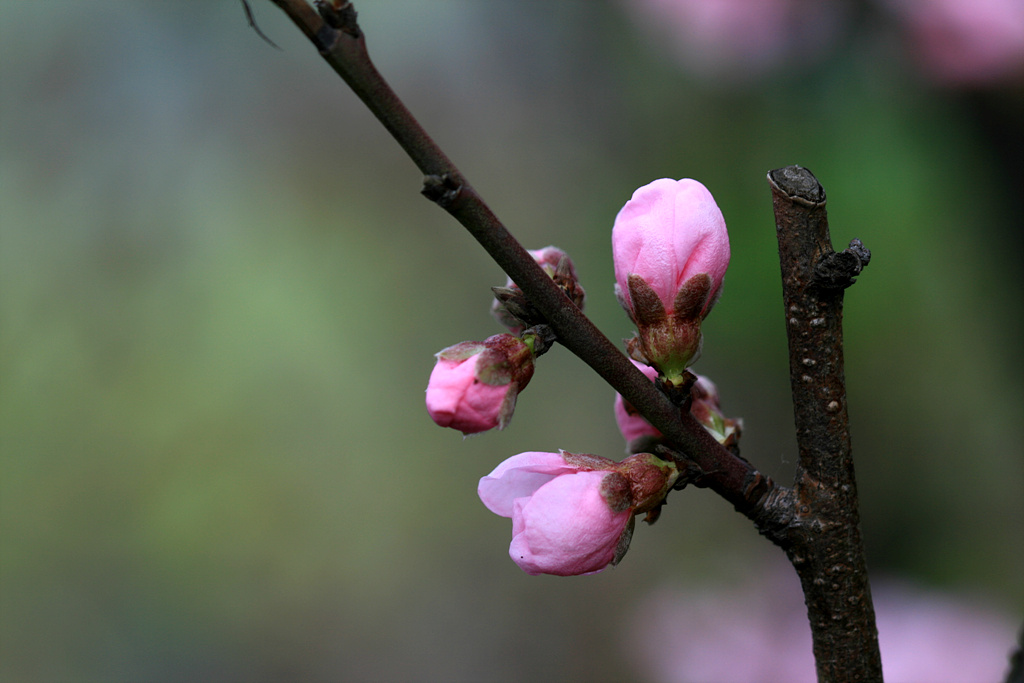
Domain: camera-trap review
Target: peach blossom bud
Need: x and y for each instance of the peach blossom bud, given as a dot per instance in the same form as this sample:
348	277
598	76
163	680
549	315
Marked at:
631	423
642	435
671	250
573	513
474	385
511	307
667	233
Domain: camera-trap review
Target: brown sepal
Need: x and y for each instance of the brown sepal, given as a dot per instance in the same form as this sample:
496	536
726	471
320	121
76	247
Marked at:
648	310
654	513
634	348
586	462
623	545
692	297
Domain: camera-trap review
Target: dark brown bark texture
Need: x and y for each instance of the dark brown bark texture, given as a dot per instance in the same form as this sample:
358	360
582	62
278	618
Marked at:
824	543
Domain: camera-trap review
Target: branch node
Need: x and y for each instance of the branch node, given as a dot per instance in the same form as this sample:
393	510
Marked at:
680	394
339	15
773	509
756	486
690	473
863	253
443	190
544	338
837	270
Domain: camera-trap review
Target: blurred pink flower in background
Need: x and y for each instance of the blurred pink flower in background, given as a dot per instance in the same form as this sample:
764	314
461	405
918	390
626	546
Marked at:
758	633
955	42
965	42
739	39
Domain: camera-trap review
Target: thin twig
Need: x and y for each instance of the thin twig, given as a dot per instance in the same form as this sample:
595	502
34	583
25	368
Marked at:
251	18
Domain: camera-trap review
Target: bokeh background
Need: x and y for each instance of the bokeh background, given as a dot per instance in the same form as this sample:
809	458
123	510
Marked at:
220	293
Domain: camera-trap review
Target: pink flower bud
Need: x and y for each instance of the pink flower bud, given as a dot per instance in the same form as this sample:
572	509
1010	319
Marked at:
474	385
671	251
631	423
708	411
573	514
704	406
667	233
511	307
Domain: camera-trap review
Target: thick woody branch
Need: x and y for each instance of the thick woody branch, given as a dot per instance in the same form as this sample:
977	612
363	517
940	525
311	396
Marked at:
341	43
824	543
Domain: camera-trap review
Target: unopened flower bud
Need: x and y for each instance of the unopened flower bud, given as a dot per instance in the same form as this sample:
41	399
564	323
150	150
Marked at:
511	307
706	408
641	435
573	513
474	385
671	250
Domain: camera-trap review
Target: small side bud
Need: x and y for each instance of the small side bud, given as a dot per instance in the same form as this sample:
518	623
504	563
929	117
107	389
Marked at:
707	409
641	435
511	307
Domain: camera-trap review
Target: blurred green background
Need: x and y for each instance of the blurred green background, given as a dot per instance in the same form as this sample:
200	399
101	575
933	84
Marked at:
220	293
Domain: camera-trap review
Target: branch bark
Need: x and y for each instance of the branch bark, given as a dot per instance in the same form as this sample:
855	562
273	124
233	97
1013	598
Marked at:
824	544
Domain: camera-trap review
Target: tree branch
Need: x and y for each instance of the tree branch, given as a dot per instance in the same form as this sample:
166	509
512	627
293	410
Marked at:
341	43
824	544
817	521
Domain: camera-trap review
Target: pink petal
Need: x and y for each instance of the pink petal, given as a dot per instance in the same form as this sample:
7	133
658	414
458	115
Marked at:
634	426
456	399
519	477
566	528
668	232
